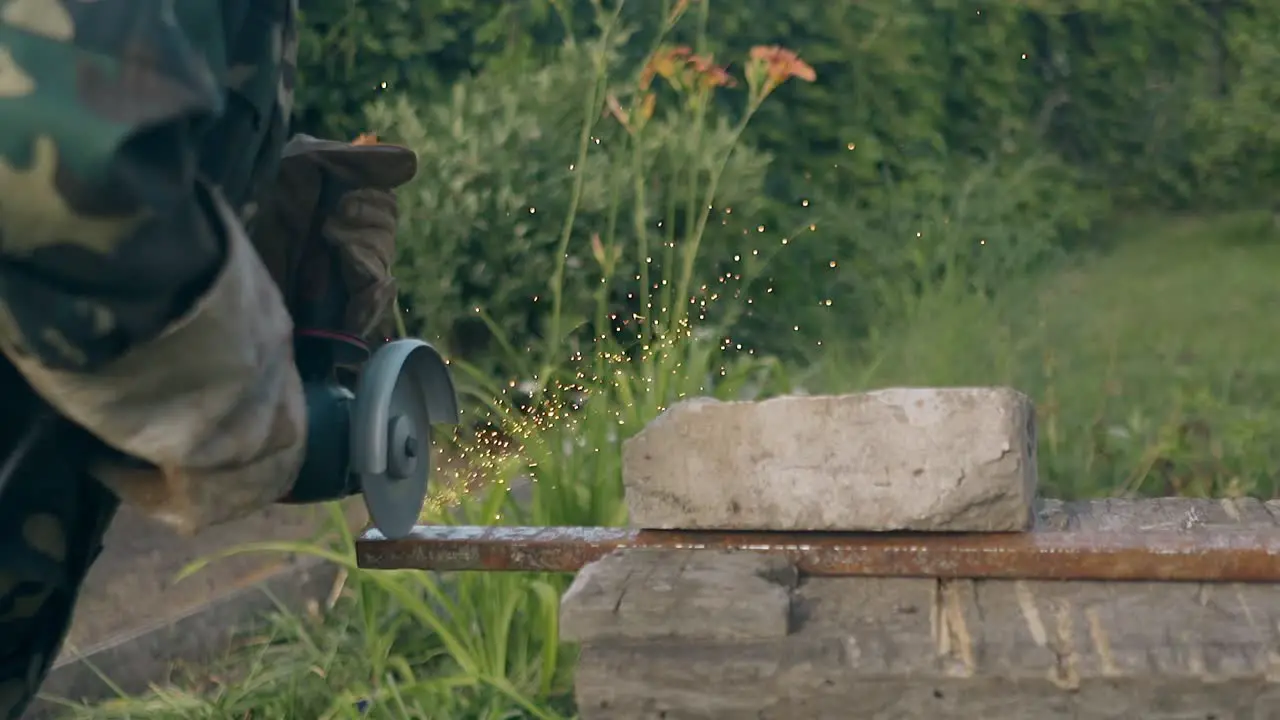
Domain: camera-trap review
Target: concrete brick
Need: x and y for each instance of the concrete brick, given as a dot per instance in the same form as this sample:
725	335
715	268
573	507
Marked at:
930	459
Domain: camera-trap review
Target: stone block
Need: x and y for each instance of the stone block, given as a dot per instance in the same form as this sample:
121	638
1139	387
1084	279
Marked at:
923	459
927	649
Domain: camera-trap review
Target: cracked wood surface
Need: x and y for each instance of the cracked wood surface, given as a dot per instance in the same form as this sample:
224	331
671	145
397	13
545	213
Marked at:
677	635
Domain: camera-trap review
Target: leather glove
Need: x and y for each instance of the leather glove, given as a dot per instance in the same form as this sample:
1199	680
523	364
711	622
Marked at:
327	239
362	233
332	220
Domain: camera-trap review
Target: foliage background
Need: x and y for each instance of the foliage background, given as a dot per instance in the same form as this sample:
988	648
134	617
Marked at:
1157	103
1031	193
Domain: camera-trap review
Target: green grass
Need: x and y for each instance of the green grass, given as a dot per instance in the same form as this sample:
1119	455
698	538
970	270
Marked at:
1155	366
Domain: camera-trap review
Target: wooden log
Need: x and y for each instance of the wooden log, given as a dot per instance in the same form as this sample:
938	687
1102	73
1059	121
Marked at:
750	598
685	635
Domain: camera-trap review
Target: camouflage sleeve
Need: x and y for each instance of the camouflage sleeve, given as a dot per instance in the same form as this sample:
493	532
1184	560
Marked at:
130	298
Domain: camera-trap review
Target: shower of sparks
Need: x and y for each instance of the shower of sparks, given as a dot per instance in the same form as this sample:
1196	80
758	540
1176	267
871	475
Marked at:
530	432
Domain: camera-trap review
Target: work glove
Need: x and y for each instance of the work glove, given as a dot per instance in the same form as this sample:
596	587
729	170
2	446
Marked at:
327	235
326	239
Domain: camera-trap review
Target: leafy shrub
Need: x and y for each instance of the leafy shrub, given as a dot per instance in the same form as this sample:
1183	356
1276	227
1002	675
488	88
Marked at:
1237	154
1137	93
350	52
1166	103
968	225
499	157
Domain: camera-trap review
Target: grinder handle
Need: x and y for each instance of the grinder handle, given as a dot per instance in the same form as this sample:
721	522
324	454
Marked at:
321	297
322	301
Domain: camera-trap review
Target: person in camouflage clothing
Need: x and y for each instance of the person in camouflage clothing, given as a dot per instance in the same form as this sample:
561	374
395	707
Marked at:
139	140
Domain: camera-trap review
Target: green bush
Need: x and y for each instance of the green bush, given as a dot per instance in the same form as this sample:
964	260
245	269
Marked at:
350	52
1129	92
1238	148
1164	103
1140	94
498	159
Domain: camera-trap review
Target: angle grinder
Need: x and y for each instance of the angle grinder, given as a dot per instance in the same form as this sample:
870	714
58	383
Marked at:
375	438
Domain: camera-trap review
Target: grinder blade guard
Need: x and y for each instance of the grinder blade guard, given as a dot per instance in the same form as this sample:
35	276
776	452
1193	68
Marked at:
402	391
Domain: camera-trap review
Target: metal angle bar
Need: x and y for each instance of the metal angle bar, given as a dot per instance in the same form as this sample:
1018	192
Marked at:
1201	555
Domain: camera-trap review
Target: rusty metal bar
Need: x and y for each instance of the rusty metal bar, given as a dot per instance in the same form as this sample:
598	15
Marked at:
1206	555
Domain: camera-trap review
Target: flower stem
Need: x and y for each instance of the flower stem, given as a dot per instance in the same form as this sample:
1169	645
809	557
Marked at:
603	328
677	296
589	114
690	253
642	239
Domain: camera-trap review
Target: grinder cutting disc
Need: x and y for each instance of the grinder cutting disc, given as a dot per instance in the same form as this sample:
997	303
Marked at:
402	390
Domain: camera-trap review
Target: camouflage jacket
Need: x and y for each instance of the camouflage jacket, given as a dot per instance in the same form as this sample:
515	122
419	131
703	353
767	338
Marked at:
135	138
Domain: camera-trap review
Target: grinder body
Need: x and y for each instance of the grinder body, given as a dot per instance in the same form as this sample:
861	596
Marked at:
375	440
326	473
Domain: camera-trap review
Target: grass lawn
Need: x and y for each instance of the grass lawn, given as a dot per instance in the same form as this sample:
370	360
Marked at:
1155	366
